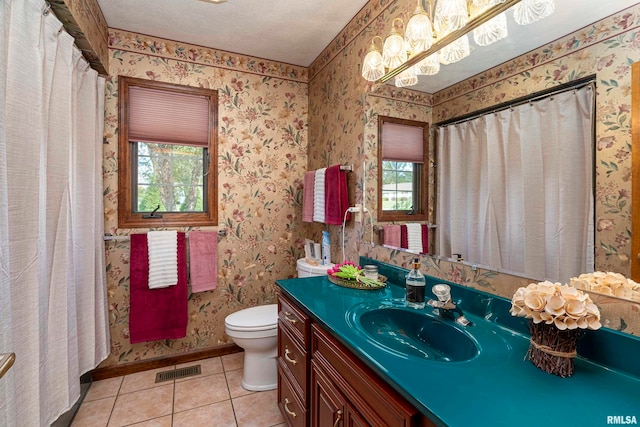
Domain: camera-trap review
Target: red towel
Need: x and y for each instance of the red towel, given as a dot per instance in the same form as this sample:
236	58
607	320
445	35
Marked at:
335	195
392	235
404	240
203	260
156	314
307	196
425	239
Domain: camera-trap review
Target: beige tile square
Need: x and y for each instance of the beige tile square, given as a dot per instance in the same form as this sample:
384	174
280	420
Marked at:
143	380
94	414
103	388
258	409
234	382
142	405
200	391
218	414
233	361
156	422
209	366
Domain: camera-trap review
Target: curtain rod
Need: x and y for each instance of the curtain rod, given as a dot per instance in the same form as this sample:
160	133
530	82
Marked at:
123	237
572	85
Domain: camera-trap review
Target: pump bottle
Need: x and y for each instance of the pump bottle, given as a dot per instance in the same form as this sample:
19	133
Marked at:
415	286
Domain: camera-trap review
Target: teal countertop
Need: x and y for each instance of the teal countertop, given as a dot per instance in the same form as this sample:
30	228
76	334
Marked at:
496	388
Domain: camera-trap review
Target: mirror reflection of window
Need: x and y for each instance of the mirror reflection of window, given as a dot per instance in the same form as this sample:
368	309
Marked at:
398	185
402	154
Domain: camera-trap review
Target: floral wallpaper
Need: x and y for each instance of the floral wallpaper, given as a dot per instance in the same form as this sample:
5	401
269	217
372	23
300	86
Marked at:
344	107
277	120
263	144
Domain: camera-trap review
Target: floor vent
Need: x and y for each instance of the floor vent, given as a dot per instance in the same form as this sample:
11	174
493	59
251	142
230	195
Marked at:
178	373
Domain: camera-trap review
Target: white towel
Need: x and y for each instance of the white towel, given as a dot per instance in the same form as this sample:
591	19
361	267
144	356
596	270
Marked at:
319	196
414	237
163	258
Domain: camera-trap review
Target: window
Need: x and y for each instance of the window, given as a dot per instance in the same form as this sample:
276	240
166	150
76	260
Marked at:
167	151
402	154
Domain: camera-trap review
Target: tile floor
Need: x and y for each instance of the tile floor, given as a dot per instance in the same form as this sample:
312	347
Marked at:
213	398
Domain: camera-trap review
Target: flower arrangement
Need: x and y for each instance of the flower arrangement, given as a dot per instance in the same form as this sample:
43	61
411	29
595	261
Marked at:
552	303
557	312
614	284
349	272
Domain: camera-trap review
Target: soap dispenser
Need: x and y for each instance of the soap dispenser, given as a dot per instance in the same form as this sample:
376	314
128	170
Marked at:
415	286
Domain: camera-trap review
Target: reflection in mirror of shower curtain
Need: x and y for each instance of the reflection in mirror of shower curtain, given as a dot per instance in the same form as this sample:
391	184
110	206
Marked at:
515	187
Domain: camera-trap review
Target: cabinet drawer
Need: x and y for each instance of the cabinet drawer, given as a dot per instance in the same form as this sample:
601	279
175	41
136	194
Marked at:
295	320
294	357
290	406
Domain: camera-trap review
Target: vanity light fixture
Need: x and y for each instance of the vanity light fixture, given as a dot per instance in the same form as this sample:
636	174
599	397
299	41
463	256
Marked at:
493	30
532	10
214	1
372	67
408	77
394	51
449	26
419	33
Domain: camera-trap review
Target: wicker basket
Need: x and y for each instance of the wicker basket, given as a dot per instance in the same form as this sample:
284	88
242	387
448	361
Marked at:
553	350
353	284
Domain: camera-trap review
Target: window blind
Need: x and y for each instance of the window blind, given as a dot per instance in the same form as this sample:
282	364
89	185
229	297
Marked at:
402	143
167	117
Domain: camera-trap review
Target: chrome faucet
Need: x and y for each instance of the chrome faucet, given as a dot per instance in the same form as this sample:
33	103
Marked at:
445	307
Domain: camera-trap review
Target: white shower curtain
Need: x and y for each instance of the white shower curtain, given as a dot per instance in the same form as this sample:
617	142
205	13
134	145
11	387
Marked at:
53	311
516	188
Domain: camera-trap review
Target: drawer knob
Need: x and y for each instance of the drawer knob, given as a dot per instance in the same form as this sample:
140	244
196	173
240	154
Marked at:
338	418
286	356
288	315
286	408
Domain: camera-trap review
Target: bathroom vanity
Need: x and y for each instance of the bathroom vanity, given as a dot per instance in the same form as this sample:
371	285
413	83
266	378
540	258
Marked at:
350	357
321	382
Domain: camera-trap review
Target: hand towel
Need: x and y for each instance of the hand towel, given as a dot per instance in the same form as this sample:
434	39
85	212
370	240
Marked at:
403	237
156	314
414	237
391	235
308	196
318	196
203	260
335	195
163	259
425	238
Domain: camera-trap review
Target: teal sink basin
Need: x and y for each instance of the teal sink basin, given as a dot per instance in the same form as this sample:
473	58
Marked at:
416	334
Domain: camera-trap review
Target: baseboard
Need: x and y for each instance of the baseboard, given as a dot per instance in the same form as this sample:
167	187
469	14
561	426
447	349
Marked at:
160	362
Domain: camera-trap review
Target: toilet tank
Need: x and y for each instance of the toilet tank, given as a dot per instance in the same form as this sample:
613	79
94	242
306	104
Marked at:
307	270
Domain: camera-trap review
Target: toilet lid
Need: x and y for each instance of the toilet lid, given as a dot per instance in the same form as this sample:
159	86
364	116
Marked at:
256	318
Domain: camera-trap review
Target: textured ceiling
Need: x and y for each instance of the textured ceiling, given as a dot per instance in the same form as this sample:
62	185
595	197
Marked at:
296	31
290	31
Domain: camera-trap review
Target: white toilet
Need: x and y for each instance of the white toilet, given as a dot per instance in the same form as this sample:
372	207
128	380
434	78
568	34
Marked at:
255	329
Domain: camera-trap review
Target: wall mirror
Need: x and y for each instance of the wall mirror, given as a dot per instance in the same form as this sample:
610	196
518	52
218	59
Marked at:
430	108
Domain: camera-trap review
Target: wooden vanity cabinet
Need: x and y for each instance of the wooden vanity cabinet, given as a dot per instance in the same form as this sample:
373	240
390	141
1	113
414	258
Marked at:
370	401
294	339
336	388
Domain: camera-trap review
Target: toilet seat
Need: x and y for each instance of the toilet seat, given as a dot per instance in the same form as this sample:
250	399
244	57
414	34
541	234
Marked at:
259	318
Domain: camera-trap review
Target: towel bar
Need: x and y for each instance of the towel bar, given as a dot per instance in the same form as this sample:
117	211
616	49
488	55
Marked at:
6	362
111	237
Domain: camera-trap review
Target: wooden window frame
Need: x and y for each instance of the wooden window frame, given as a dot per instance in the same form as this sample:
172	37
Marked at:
420	211
127	218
